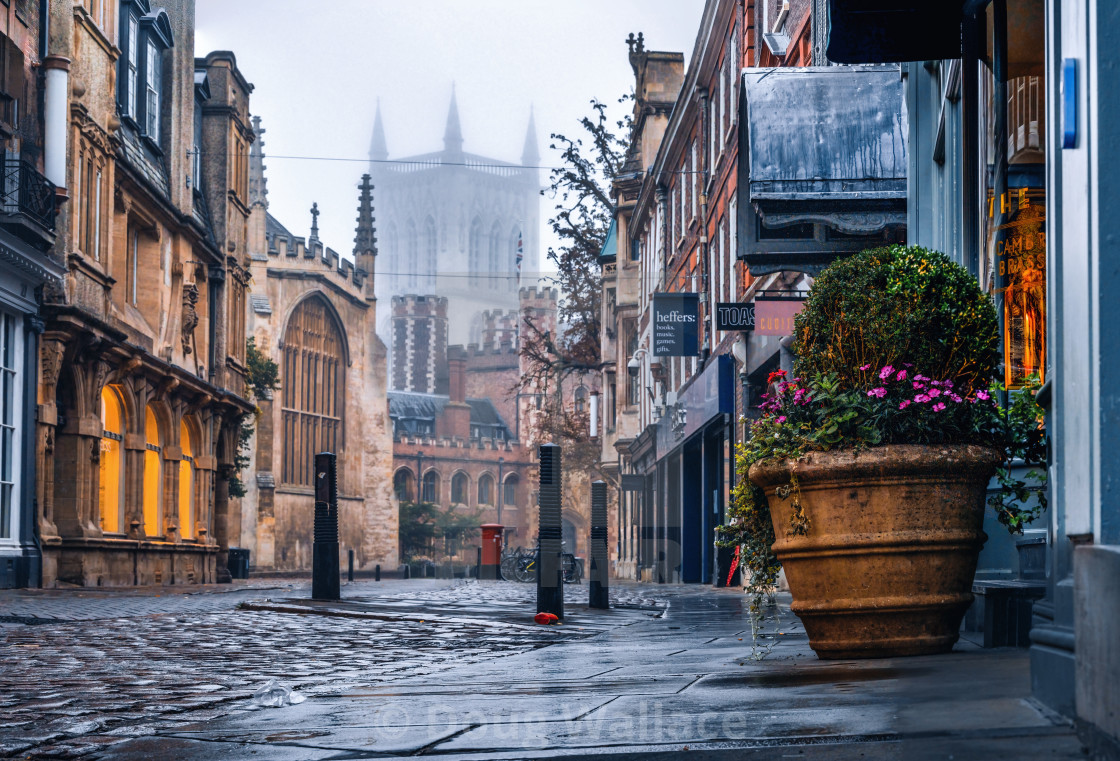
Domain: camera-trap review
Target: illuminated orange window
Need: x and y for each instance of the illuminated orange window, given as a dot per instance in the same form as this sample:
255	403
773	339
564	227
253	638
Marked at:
110	497
153	475
186	483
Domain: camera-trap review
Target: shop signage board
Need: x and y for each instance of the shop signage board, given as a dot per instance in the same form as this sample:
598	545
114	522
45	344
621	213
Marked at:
676	323
774	317
633	482
735	316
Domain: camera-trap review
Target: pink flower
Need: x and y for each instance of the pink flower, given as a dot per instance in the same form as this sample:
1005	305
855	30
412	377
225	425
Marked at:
954	397
879	392
904	404
901	375
934	392
886	372
781	418
921	398
939	406
983	395
918	385
920	377
864	368
935	383
947	384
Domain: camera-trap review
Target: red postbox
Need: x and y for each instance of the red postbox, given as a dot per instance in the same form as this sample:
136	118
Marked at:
491	551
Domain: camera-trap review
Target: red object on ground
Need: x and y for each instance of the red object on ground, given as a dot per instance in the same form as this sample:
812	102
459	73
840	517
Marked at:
734	565
546	618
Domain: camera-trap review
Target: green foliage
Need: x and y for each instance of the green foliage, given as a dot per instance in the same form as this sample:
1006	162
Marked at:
897	304
262	377
1021	500
423	525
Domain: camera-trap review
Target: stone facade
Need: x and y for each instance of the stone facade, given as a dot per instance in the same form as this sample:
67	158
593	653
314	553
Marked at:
141	375
313	313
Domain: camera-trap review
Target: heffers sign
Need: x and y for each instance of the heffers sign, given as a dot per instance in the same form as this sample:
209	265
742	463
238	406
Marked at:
676	323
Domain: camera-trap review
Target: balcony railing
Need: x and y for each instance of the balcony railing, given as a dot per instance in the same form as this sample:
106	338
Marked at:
27	193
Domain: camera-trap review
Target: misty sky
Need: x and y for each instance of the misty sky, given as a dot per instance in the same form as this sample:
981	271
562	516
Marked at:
319	68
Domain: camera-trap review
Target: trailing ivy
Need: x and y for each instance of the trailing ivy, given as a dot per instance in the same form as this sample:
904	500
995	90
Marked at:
261	379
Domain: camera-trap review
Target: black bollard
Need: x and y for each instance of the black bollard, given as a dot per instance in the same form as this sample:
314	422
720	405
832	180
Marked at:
324	552
407	571
598	585
550	569
478	565
377	572
350	565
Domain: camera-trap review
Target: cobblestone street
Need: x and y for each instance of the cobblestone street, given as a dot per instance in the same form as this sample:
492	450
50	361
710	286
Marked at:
99	667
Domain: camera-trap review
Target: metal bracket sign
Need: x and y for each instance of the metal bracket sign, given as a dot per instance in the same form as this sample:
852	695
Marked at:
676	322
734	316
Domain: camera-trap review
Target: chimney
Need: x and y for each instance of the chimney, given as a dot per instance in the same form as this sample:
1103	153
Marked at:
455	422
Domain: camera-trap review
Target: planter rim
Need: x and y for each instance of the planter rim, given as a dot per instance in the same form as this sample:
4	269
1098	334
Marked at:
963	460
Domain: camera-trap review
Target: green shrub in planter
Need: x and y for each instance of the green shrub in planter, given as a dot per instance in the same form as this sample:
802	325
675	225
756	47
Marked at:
887	306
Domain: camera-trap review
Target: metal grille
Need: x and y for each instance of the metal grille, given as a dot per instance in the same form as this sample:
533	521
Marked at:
25	191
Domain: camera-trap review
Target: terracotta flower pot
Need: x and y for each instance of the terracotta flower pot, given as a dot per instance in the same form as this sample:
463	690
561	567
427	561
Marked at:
885	566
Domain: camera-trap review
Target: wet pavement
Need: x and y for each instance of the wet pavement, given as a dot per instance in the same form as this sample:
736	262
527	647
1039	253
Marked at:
456	670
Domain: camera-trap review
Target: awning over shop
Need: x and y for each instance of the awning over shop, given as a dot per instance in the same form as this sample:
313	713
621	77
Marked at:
827	145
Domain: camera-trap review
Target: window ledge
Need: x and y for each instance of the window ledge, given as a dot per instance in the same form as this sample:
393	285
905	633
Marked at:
152	144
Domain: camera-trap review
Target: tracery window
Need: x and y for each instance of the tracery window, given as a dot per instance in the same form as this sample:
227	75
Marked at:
402	485
153	474
474	251
110	496
459	488
485	490
495	256
313	389
509	491
430	492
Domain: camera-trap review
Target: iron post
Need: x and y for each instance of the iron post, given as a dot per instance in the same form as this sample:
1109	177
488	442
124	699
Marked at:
598	584
325	580
550	582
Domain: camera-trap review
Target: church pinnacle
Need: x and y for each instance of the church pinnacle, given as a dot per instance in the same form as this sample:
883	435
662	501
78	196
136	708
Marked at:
377	148
453	135
530	156
365	240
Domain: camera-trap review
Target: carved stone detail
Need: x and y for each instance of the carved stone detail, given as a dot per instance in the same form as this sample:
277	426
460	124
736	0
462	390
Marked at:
190	315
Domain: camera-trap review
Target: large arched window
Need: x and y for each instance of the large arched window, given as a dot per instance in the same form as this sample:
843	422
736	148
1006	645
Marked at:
110	496
313	387
153	474
187	512
430	491
486	489
430	252
402	485
413	254
460	488
474	251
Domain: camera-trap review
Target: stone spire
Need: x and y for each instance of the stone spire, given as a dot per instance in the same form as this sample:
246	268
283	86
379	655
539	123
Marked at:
453	135
365	240
377	148
258	190
530	156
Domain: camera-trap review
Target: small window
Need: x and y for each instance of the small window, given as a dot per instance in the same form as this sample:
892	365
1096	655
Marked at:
485	490
153	87
133	61
402	485
509	491
459	489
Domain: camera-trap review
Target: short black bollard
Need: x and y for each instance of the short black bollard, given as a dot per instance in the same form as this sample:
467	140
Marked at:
598	579
407	571
377	572
324	551
350	565
478	565
550	569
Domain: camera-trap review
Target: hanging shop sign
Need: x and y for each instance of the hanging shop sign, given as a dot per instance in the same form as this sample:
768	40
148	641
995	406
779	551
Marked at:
676	322
734	316
774	316
633	482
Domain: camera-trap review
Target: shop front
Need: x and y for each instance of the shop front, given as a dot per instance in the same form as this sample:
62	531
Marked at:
690	477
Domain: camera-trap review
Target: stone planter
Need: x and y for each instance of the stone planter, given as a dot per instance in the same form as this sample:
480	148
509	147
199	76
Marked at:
886	564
